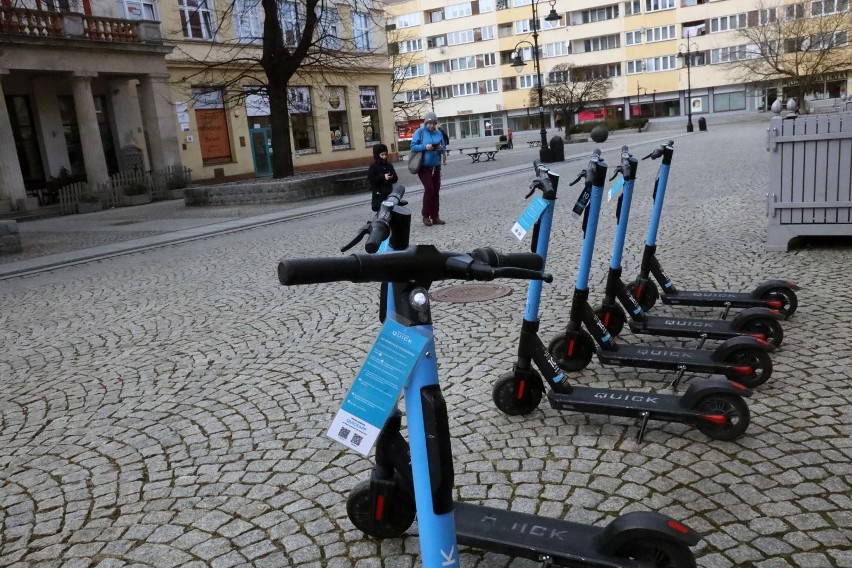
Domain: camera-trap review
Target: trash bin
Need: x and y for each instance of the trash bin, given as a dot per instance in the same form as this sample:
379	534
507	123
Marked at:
702	124
557	149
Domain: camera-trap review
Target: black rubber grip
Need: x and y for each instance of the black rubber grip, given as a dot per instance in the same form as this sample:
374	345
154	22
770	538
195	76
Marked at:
379	231
527	260
316	270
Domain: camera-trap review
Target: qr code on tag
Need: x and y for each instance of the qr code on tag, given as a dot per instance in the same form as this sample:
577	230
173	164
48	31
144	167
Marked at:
357	439
343	434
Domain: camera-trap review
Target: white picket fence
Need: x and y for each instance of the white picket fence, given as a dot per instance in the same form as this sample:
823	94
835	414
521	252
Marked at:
167	183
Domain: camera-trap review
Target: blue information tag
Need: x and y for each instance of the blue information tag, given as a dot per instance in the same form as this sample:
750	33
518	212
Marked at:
582	201
615	189
529	217
377	388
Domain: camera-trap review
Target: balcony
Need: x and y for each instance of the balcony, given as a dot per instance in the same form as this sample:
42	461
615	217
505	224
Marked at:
44	24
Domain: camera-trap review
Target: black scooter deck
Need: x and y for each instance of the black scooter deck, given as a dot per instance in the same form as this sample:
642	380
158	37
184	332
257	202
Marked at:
680	327
530	536
629	404
711	299
672	358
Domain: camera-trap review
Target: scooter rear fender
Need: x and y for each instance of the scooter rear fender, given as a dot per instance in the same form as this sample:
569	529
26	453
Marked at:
750	315
742	342
700	388
643	525
768	285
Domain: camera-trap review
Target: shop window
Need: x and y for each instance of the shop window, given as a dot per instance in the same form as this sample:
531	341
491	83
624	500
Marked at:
212	121
370	115
338	118
469	126
302	120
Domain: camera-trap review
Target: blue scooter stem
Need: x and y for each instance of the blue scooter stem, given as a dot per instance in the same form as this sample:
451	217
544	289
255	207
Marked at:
391	308
437	532
589	238
660	192
534	290
621	229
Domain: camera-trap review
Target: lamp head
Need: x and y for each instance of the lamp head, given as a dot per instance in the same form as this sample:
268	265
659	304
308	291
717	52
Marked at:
518	62
552	16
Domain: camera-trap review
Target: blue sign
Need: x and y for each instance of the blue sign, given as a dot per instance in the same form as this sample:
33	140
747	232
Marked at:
529	217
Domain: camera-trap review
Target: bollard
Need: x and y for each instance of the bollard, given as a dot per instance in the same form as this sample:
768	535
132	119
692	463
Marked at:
702	124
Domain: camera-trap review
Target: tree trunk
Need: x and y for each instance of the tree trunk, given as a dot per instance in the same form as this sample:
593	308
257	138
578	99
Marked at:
282	155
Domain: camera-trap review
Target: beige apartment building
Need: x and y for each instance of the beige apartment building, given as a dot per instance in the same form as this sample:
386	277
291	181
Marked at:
464	51
89	88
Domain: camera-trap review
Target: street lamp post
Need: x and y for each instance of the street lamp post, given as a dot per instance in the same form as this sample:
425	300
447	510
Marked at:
639	92
518	64
683	51
431	94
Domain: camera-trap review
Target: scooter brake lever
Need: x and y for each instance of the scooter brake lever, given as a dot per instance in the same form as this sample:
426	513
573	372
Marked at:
532	190
618	170
579	177
363	232
522	273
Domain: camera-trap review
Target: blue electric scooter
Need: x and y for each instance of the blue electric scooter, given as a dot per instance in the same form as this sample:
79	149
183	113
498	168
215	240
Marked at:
715	406
774	294
742	359
754	322
418	479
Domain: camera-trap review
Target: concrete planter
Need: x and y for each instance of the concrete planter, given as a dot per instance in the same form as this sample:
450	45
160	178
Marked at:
131	200
88	207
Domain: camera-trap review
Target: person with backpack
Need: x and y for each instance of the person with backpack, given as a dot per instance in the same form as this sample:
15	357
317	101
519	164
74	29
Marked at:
446	136
381	176
428	140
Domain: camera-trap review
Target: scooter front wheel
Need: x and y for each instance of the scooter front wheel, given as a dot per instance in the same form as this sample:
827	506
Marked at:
658	553
647	296
387	519
786	296
733	408
517	396
572	351
612	317
769	328
759	361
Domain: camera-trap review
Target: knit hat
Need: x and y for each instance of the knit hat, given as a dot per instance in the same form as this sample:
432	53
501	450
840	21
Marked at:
378	149
430	117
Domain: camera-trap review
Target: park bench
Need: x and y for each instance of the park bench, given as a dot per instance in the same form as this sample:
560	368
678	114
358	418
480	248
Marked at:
475	143
476	155
534	143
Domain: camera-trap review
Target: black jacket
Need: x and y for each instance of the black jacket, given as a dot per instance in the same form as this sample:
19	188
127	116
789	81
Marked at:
380	186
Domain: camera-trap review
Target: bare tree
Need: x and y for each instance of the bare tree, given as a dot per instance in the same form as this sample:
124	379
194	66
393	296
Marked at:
794	43
305	37
411	97
573	89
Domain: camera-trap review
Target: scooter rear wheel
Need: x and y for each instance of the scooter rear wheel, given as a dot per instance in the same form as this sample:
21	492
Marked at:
769	328
647	297
396	515
572	351
786	296
517	396
733	407
612	317
759	361
659	553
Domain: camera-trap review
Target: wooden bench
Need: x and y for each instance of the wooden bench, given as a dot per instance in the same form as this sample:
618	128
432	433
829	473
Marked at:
476	156
534	143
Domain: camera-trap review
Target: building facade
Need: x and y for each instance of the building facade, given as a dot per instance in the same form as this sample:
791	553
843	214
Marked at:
89	88
457	57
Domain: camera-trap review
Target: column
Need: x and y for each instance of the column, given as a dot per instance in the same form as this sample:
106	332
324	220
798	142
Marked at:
160	121
49	124
127	120
90	135
11	179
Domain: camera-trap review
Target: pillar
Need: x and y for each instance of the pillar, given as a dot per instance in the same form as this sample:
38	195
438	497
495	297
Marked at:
11	179
90	135
127	121
54	150
159	120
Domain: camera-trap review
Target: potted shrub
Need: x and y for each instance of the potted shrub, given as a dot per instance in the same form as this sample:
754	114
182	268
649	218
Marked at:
89	203
175	186
136	193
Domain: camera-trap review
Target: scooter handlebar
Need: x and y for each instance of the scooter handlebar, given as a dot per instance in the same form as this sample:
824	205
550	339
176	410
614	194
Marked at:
496	259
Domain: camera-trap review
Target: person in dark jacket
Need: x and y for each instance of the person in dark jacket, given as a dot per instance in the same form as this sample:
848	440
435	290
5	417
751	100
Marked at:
381	176
446	136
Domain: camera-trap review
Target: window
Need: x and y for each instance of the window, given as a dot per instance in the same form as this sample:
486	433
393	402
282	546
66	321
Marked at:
211	118
601	43
438	67
635	66
527	81
735	53
663	63
828	40
729	101
408	20
338	118
510	83
557	49
599	14
458	11
661	33
725	23
196	19
463	63
502	4
436	41
523	27
361	31
794	11
469	126
766	16
492	86
445	92
465	89
597	71
556	77
516	3
302	120
135	10
329	26
487	32
486	6
369	114
410	45
490	59
697	59
829	6
633	7
436	16
248	21
633	38
414	70
460	37
417	96
657	5
290	24
493	124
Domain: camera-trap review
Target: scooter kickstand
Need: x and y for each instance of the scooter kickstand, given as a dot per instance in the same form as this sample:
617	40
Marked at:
644	416
680	371
724	315
701	339
546	561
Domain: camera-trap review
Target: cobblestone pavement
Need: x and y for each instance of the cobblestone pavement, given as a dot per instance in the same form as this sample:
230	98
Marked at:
168	408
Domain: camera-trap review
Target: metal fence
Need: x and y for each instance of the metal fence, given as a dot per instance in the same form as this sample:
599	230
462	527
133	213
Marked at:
810	177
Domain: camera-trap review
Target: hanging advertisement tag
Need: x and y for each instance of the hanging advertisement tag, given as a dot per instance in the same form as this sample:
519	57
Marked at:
529	217
615	189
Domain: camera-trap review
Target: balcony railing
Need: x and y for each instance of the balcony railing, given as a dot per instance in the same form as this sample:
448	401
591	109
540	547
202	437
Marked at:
40	23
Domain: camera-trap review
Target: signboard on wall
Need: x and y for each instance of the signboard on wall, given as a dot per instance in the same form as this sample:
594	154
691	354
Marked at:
697	104
213	135
299	99
368	98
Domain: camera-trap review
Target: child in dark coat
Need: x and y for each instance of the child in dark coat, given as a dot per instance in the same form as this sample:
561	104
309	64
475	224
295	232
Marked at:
381	176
